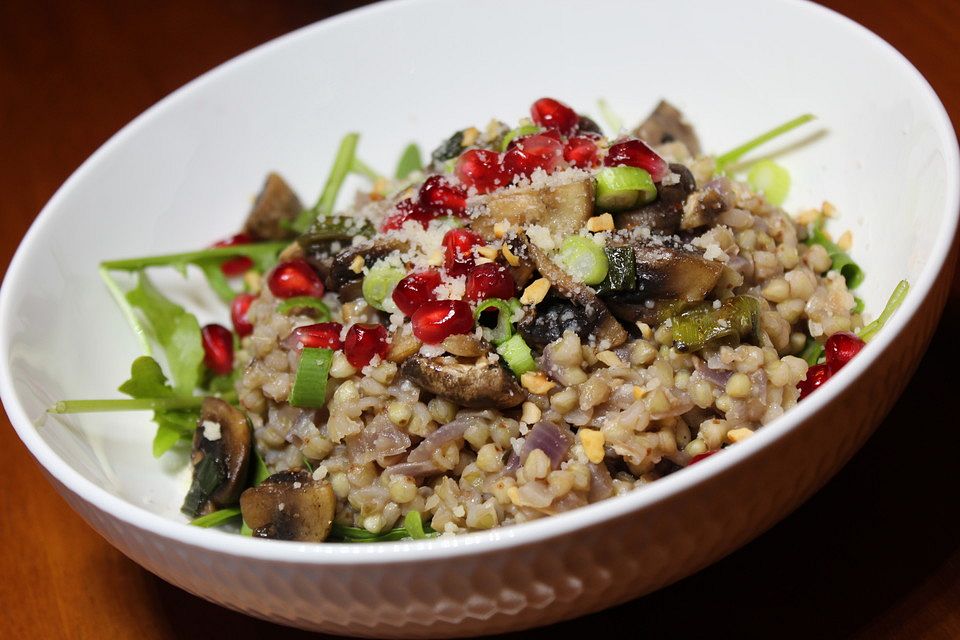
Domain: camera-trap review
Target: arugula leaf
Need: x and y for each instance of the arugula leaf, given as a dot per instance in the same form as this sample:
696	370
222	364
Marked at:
177	331
216	518
260	470
146	380
413	528
217	281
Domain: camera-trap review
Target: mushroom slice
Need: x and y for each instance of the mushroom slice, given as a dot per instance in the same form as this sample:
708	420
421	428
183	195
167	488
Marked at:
675	274
343	269
664	214
276	205
667	124
564	209
290	505
551	318
479	385
704	206
221	455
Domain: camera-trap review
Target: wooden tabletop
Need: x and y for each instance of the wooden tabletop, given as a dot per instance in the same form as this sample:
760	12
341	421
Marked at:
875	554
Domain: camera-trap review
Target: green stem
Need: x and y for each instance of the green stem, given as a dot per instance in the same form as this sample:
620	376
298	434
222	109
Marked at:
257	251
735	154
361	168
127	310
135	404
342	164
614	123
896	299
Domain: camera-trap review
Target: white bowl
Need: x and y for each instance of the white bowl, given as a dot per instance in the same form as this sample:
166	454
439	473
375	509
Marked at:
183	173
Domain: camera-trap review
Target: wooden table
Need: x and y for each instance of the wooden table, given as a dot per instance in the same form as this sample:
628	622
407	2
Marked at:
876	554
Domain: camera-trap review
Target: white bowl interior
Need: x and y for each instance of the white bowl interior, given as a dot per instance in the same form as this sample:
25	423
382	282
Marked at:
183	174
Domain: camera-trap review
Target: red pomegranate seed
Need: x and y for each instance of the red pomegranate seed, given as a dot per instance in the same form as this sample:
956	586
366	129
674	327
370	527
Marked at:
481	169
436	194
635	153
531	153
489	280
816	376
323	335
239	265
458	247
581	151
407	210
701	456
295	278
365	341
434	321
238	313
416	289
840	349
553	114
217	348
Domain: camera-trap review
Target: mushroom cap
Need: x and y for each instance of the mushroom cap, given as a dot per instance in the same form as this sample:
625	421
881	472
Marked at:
477	385
290	505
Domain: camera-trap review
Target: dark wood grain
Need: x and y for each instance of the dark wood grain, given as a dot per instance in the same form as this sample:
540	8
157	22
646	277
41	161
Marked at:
875	554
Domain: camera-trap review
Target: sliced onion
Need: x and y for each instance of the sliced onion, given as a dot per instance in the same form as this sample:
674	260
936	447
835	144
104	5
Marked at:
601	484
379	439
445	434
718	377
413	469
547	437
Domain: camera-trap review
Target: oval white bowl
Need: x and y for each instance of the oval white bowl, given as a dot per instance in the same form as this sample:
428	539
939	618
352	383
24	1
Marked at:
183	173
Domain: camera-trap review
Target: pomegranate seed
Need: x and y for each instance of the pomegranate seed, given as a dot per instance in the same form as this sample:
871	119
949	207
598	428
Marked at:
295	278
531	153
217	348
238	313
701	456
489	280
840	349
481	169
239	265
436	194
416	289
323	335
816	376
553	114
635	153
365	341
407	210
434	321
458	247
581	152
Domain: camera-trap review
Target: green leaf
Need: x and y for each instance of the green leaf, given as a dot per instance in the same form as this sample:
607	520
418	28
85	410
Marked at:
263	254
216	518
342	164
217	280
260	470
177	331
409	162
173	427
146	380
164	440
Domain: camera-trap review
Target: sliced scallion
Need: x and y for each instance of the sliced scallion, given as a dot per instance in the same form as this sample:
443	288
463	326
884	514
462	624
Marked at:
310	383
517	354
623	188
519	132
812	352
840	260
317	308
770	179
504	329
379	283
896	299
583	259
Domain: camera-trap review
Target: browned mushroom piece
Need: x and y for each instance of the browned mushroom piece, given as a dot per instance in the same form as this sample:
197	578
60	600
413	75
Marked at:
275	207
290	505
564	209
345	269
599	323
703	207
221	456
665	272
479	384
664	214
667	124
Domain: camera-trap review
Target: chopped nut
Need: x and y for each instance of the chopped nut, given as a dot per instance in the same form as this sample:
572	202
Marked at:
536	382
531	413
592	441
488	252
435	259
600	223
482	260
645	330
469	136
253	282
535	292
808	216
512	259
500	229
736	435
829	210
638	392
610	359
380	187
357	265
514	494
845	241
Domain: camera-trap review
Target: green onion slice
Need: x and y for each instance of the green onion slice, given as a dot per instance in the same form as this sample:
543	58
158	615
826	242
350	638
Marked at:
315	305
504	329
519	132
623	188
812	352
839	259
216	518
310	383
896	299
583	259
379	283
517	354
770	179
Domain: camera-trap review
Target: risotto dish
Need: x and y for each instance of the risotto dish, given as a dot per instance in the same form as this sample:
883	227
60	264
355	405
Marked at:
537	317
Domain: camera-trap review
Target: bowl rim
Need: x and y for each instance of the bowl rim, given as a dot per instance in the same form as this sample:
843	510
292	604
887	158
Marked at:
498	539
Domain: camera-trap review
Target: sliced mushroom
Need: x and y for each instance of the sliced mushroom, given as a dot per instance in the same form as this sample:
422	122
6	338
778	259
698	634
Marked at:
290	505
276	206
564	209
343	268
221	456
664	214
552	317
677	274
704	206
667	124
480	384
606	326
